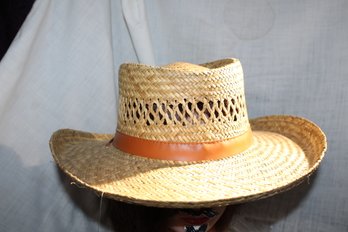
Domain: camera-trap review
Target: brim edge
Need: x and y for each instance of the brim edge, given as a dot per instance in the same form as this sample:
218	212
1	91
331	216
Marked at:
199	204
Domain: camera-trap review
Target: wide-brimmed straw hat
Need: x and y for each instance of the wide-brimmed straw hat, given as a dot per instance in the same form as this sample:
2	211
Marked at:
184	140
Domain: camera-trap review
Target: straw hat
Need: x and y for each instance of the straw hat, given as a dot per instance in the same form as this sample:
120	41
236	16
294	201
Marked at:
184	140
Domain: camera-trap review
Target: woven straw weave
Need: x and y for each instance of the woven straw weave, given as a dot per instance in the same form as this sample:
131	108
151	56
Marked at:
171	103
190	103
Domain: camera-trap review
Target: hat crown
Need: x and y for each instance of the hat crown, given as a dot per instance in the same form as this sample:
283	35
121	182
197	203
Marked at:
183	102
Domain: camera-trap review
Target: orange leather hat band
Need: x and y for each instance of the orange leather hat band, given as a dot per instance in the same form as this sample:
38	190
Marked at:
182	151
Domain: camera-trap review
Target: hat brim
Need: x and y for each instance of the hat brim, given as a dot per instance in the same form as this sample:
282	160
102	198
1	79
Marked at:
285	150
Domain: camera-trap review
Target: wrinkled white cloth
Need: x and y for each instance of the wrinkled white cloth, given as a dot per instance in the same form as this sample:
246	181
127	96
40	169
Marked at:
61	72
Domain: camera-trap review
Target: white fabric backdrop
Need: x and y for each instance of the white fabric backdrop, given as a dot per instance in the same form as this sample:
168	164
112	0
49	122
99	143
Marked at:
61	72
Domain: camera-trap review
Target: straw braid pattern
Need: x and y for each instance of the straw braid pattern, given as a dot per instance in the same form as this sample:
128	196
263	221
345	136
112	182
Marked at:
181	105
194	104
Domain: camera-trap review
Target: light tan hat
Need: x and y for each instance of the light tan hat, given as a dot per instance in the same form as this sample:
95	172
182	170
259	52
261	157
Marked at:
184	140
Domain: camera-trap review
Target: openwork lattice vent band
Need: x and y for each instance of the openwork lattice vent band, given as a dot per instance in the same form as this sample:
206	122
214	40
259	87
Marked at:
183	103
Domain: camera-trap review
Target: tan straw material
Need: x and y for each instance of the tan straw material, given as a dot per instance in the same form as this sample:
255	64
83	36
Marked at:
190	104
